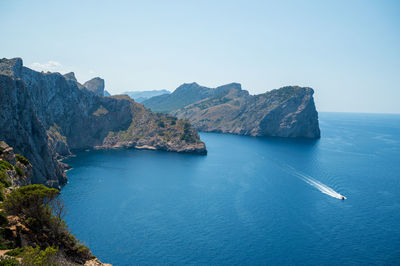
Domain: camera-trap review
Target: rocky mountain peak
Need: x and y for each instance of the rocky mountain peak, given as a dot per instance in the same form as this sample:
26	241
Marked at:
95	85
11	67
70	76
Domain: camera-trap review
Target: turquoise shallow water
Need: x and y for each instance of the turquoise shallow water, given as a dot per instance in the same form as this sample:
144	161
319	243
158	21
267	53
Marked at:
248	201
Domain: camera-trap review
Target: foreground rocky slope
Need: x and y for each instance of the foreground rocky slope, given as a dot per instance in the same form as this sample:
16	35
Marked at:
32	231
286	112
46	115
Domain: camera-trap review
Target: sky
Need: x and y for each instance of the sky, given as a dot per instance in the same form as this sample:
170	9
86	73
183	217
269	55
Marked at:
347	51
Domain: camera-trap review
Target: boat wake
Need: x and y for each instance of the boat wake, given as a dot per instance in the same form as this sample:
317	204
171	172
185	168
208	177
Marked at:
313	182
320	186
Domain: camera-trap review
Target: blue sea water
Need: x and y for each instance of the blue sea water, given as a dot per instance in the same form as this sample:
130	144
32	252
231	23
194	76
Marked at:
250	201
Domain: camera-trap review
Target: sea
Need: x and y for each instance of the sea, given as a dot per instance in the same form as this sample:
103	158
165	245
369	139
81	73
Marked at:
249	201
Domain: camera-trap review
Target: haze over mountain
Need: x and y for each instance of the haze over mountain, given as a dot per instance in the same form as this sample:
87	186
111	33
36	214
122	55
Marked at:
140	96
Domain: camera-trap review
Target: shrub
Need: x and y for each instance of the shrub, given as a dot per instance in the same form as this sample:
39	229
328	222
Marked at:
4	165
3	219
8	261
41	211
4	179
15	252
20	172
31	202
83	251
22	159
7	240
35	256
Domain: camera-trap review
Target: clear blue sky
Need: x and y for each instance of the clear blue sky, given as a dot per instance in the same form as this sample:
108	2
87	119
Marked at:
348	51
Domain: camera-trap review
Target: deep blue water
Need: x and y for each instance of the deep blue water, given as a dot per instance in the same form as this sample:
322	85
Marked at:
247	202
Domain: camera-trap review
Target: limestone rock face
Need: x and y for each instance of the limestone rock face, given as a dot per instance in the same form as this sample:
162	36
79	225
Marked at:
95	85
70	76
46	115
286	112
17	178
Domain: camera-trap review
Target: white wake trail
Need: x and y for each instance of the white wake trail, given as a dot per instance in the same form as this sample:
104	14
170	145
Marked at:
321	187
315	183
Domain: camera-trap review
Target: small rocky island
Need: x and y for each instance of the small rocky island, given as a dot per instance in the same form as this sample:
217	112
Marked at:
286	112
46	115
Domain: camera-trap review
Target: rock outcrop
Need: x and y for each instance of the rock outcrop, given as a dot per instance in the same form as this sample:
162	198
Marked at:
14	168
95	85
46	115
286	112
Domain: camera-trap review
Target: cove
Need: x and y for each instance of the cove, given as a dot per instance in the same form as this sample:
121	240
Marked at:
246	201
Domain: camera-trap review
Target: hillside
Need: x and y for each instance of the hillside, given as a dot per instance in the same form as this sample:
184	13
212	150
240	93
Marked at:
287	112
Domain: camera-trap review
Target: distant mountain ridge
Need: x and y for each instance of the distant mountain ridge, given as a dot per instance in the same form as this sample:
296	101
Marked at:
140	96
286	112
184	95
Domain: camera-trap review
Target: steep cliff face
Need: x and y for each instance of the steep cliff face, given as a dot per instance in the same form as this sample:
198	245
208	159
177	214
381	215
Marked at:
46	115
20	126
286	112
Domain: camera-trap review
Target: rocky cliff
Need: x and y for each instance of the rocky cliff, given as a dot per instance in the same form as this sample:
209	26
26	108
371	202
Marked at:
286	112
46	115
95	85
15	169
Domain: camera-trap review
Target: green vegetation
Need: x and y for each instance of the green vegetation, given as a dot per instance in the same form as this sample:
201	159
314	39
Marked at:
4	180
22	159
19	170
31	256
15	252
41	211
187	134
4	165
8	261
3	219
36	256
6	239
